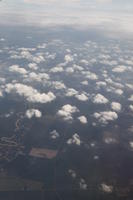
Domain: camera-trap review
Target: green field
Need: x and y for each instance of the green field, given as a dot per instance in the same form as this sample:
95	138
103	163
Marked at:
8	183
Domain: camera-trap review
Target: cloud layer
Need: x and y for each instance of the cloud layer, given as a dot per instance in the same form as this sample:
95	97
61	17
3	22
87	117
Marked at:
109	16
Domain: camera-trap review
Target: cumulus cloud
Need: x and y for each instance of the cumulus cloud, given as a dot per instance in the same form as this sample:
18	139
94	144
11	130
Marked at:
81	97
78	67
83	119
33	113
83	184
2	39
100	99
38	77
131	98
106	116
118	91
58	85
90	75
1	93
74	140
72	173
54	134
131	107
106	188
33	66
16	68
67	111
68	58
119	69
84	82
71	92
31	94
69	70
116	106
110	140
26	54
57	69
101	84
2	80
115	90
130	86
38	59
85	62
42	46
131	144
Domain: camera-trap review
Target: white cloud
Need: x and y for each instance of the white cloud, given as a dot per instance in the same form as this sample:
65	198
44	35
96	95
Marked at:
81	97
16	68
69	70
38	59
54	134
57	69
73	173
117	85
2	80
130	86
109	140
131	98
33	113
90	75
83	119
50	56
101	84
58	85
131	144
26	54
84	82
33	66
71	92
2	39
106	116
67	111
42	46
128	62
104	1
119	69
37	77
74	140
78	13
106	188
83	184
68	58
114	90
1	94
116	106
85	62
100	99
96	157
78	67
118	91
131	107
31	94
43	2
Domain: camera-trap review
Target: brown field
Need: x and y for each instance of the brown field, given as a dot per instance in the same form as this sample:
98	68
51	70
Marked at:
43	153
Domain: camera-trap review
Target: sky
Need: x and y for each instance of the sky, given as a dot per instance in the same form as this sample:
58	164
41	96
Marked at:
110	15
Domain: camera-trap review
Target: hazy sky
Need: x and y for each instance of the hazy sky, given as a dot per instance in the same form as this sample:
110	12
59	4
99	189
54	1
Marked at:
110	15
